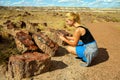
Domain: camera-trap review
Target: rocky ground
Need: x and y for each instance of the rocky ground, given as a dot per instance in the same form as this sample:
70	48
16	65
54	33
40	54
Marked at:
104	67
66	67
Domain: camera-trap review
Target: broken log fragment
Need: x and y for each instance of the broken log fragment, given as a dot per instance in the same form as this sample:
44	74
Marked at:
26	14
16	25
26	41
45	43
45	24
65	33
27	65
54	35
20	24
10	25
34	24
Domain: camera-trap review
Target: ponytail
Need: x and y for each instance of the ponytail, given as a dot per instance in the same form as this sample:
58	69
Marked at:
73	16
77	18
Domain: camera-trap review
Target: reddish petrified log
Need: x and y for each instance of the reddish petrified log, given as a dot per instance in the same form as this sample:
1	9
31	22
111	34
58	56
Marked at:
26	39
10	25
15	25
22	36
27	65
54	35
45	43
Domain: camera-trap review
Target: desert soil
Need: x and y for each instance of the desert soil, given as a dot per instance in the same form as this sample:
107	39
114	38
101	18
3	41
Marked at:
104	67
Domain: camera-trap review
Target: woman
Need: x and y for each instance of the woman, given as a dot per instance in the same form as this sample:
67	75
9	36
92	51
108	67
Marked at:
82	43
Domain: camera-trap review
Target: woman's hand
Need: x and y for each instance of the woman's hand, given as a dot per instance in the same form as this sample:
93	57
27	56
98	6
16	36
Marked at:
62	37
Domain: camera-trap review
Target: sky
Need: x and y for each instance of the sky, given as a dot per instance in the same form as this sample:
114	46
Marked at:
65	3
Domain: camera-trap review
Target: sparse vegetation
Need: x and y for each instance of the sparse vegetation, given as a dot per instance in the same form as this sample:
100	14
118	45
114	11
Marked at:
109	17
44	20
52	19
7	48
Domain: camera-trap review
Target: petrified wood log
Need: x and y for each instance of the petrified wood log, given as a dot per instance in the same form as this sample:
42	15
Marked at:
25	39
20	24
45	43
54	35
27	65
15	25
21	47
10	24
26	13
34	24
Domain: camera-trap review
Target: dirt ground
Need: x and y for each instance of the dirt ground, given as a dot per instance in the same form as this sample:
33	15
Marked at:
104	67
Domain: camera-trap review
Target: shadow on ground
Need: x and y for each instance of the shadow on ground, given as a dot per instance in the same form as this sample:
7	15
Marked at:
61	52
55	65
101	57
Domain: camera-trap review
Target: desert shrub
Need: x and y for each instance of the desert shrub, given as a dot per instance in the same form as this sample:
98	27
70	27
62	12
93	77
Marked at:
18	18
4	34
109	16
40	27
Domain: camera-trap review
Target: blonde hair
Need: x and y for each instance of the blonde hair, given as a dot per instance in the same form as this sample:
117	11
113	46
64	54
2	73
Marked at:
73	16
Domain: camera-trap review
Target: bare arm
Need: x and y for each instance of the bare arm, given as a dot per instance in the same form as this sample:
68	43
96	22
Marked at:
75	38
69	38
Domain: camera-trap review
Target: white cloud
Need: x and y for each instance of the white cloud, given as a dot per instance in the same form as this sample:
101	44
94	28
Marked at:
81	3
37	1
19	2
40	3
63	1
111	0
104	3
27	3
117	1
108	0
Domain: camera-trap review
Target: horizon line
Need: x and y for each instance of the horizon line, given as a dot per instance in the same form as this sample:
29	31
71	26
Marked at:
60	6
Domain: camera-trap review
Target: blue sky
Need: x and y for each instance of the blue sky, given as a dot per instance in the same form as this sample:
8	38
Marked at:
69	3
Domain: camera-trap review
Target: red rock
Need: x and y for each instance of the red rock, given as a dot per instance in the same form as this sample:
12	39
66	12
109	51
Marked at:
27	65
45	43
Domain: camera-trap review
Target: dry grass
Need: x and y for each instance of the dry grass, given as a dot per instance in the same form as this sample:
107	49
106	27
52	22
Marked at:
7	48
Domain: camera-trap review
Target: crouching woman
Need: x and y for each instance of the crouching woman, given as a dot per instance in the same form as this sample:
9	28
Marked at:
82	43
